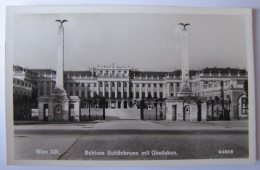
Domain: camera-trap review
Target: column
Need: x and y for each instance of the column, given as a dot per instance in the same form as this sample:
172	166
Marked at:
122	89
50	87
74	86
68	88
44	88
168	89
164	90
97	88
86	89
79	89
115	89
109	90
174	87
158	90
104	88
134	93
140	90
152	90
91	90
146	90
39	88
127	88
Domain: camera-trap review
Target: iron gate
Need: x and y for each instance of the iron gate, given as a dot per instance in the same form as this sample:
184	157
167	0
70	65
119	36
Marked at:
218	109
153	109
93	109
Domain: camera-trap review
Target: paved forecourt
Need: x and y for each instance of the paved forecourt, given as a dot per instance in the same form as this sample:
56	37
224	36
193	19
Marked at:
131	140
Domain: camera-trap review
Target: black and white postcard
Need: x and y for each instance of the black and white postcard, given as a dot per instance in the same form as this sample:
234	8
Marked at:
129	86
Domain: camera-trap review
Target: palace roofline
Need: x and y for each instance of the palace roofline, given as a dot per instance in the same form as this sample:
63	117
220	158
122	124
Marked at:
136	73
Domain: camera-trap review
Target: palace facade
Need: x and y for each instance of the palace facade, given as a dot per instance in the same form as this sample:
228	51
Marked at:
121	86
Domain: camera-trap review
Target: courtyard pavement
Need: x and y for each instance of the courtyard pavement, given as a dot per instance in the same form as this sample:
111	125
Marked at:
134	126
187	140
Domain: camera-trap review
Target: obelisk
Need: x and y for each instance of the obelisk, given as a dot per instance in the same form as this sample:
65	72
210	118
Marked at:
60	58
185	83
59	102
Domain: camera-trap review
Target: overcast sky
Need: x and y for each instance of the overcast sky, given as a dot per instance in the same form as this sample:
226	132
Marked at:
149	42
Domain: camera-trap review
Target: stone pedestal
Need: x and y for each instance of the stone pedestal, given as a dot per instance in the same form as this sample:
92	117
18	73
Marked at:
177	105
54	107
43	102
75	112
59	106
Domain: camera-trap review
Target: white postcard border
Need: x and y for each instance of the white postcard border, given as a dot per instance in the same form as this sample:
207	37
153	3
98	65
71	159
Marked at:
12	11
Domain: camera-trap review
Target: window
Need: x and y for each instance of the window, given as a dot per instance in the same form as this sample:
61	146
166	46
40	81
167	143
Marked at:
137	94
77	93
125	94
171	84
154	85
71	84
143	85
82	84
113	94
161	85
244	105
77	84
95	84
71	93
